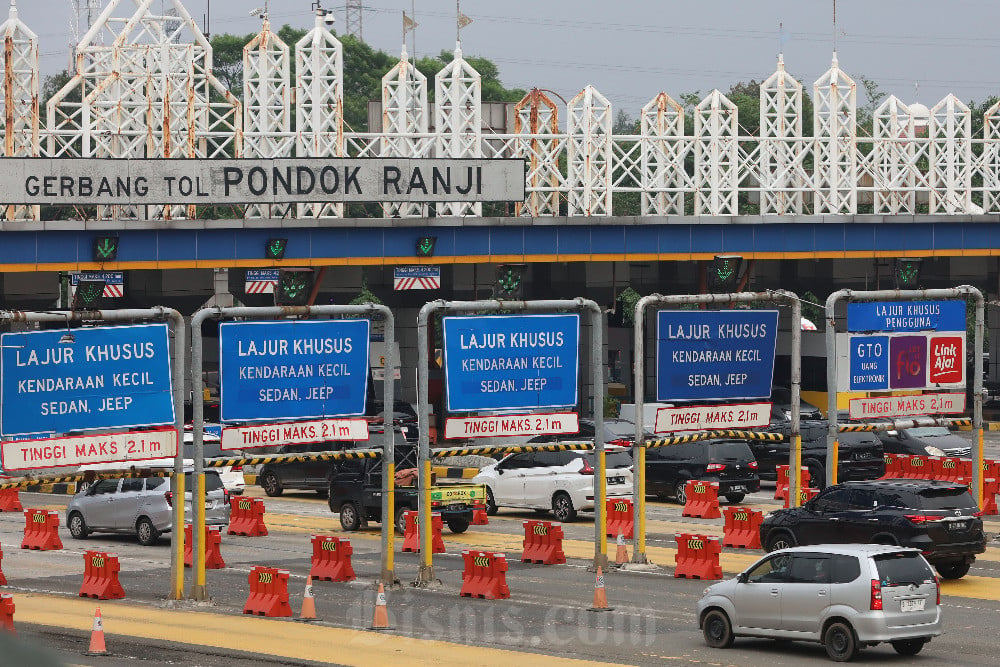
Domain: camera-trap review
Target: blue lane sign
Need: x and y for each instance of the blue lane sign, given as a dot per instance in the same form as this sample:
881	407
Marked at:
509	362
292	370
906	316
715	355
869	363
109	377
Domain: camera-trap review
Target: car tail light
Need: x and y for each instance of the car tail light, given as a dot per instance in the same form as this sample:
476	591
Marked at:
621	442
937	585
977	514
753	464
922	518
715	467
237	468
587	469
225	496
876	604
170	498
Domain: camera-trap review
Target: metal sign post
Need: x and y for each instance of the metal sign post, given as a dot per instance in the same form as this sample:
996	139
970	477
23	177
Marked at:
198	587
753	379
176	390
537	388
913	355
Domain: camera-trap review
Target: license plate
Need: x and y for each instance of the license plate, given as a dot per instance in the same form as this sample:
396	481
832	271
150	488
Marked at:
616	480
958	525
912	605
739	488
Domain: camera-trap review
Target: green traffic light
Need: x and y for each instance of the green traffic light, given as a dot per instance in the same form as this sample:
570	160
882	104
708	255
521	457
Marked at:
275	248
105	248
425	246
509	279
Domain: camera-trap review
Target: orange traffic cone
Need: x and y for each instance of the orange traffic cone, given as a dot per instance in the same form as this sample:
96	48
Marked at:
600	595
97	646
308	603
380	621
622	556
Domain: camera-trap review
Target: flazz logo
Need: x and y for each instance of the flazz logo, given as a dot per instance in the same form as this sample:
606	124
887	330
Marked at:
264	577
541	529
328	546
696	544
481	561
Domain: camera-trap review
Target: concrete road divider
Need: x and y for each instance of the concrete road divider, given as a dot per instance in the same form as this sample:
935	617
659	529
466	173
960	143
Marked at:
213	543
411	536
620	518
100	576
41	530
10	500
697	556
783	482
331	559
484	576
268	592
247	517
7	613
543	543
702	500
742	528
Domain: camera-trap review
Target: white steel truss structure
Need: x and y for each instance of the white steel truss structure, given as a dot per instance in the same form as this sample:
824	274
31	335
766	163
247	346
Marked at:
989	166
404	124
266	106
949	131
835	124
319	104
781	155
716	123
537	118
458	120
893	158
19	98
589	154
664	177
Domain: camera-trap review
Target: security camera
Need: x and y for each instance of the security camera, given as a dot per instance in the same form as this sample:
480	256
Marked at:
329	18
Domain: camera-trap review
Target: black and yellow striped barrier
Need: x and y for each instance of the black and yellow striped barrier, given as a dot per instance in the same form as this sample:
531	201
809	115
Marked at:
346	455
454	472
511	449
713	435
888	426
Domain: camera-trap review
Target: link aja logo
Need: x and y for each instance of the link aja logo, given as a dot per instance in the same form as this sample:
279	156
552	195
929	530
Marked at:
946	359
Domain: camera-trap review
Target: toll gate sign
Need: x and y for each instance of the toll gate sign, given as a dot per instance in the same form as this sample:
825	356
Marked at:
509	362
271	371
88	379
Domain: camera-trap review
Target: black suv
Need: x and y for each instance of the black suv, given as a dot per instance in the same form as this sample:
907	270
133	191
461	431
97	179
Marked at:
859	454
728	462
925	441
939	518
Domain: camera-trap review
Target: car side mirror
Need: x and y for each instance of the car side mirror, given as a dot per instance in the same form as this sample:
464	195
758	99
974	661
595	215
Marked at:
742	577
499	470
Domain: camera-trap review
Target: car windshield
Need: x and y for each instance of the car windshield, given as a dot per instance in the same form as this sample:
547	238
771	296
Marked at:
729	451
612	459
947	498
927	431
902	568
857	438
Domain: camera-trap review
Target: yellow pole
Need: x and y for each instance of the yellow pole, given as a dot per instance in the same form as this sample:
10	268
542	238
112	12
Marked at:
640	465
602	495
979	486
391	502
178	574
836	461
425	527
199	524
797	490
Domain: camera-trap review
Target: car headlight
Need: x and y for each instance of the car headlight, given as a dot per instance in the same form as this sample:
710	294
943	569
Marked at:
933	451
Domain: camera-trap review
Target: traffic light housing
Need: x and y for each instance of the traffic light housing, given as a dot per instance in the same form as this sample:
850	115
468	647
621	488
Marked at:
906	272
510	280
294	287
105	249
88	294
724	273
275	248
425	246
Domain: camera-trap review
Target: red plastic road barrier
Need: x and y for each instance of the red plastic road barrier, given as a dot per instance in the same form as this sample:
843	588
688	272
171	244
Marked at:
479	517
100	576
213	540
268	592
620	517
3	578
331	559
41	530
697	556
805	495
742	527
7	613
917	467
543	543
411	537
783	482
702	500
946	468
485	575
893	465
10	500
991	487
247	517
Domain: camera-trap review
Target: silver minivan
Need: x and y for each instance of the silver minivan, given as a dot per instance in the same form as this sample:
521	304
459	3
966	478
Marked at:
846	596
141	505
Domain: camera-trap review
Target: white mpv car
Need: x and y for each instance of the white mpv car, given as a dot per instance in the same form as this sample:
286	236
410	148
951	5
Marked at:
559	481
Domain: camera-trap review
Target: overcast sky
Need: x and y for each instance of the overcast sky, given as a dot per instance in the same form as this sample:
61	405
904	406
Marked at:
632	49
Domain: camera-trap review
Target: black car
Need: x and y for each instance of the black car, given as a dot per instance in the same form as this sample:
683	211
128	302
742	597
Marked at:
859	454
781	406
939	518
728	462
925	441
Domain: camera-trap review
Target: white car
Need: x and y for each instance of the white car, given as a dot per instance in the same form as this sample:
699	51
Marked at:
559	481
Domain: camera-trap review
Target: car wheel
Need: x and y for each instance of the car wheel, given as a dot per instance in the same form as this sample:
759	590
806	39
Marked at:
562	508
735	498
817	475
953	570
458	525
271	484
908	646
350	516
780	540
717	629
680	491
145	532
401	519
840	643
491	503
77	526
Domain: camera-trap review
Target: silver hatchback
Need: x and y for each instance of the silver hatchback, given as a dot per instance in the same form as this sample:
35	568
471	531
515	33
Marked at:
845	596
143	506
